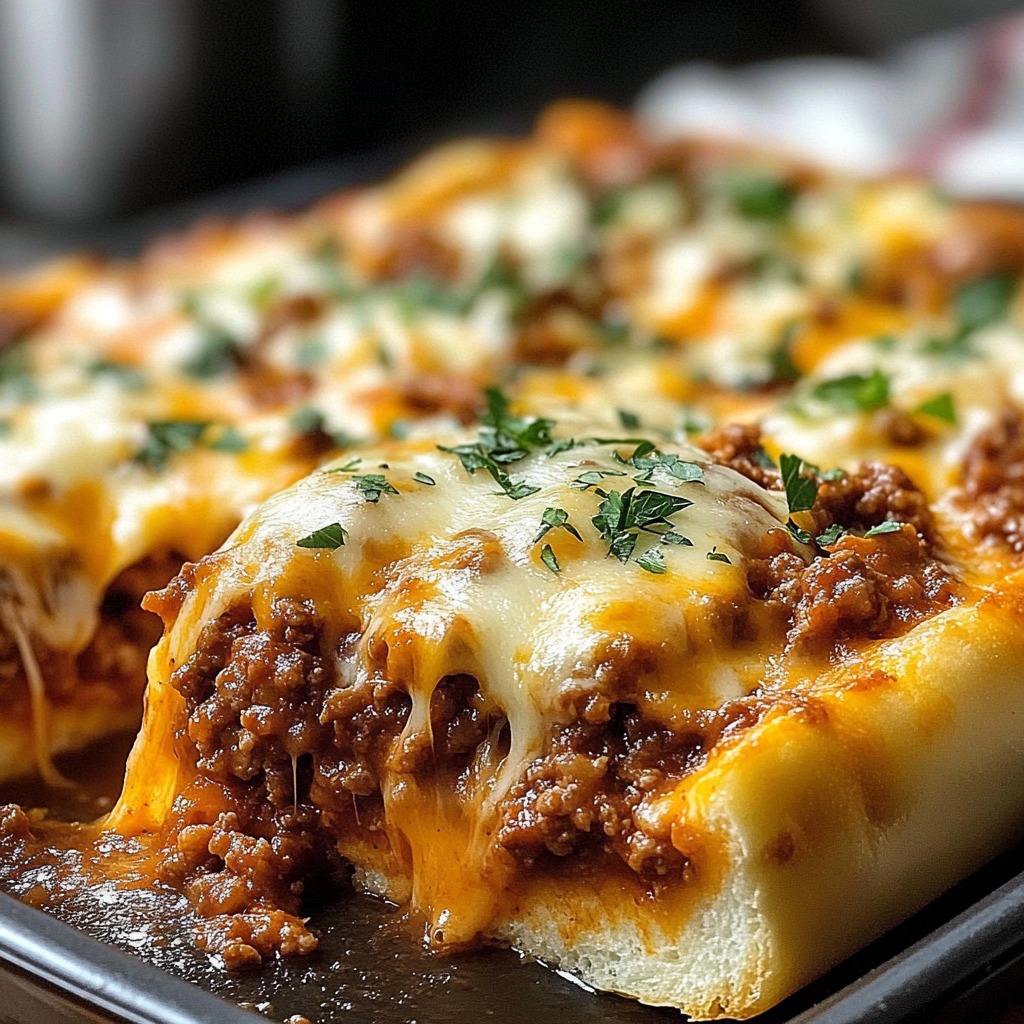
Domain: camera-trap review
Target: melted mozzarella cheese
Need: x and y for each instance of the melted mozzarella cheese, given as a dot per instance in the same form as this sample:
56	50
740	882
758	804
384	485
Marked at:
981	377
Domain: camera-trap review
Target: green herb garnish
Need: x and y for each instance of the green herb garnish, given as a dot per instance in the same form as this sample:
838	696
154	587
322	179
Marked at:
170	437
984	301
128	377
714	555
623	514
547	556
856	392
330	537
556	519
653	561
803	536
373	485
830	535
759	196
230	439
889	526
422	478
216	354
801	491
503	439
941	407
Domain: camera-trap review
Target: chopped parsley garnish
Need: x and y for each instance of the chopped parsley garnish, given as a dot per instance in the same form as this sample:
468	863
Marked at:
759	196
348	467
16	379
170	437
310	421
422	478
628	419
801	490
503	439
373	485
128	377
593	478
830	535
676	538
547	556
622	515
941	407
984	301
652	560
330	537
855	392
216	354
714	555
307	420
556	519
230	439
889	526
856	278
650	461
801	535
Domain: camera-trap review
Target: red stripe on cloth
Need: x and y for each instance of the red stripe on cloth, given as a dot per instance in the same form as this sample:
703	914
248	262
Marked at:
987	81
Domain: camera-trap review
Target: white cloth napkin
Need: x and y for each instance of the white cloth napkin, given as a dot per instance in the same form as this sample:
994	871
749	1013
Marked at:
950	107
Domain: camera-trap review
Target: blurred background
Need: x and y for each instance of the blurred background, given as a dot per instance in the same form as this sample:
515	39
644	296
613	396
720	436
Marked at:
119	117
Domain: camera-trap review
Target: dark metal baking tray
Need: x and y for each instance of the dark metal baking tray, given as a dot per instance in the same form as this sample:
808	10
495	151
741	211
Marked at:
961	959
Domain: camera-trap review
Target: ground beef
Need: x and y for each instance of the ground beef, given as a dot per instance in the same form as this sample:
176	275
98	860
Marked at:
245	834
738	446
991	493
587	786
875	493
254	697
863	588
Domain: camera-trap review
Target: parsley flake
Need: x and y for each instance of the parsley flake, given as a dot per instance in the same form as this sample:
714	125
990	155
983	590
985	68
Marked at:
798	534
984	301
556	519
216	354
230	439
889	526
676	538
422	478
593	478
759	196
801	491
714	555
941	407
167	438
653	461
855	392
547	556
330	537
126	376
653	561
622	515
831	535
503	439
373	485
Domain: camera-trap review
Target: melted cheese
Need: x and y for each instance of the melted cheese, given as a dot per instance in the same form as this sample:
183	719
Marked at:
447	579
